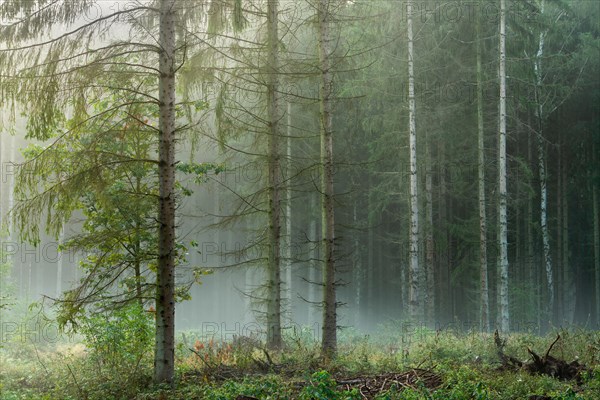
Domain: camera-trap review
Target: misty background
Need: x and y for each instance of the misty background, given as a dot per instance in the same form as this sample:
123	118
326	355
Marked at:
223	220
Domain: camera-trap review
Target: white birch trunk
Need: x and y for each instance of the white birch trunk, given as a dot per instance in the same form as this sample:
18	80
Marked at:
542	171
429	252
415	272
544	223
502	191
483	267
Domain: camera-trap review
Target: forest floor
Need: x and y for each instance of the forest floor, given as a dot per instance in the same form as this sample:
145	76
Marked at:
392	364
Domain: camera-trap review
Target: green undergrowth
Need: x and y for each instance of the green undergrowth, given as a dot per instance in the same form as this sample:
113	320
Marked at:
113	361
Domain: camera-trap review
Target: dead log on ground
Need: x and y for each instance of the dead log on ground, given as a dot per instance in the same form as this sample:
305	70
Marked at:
541	365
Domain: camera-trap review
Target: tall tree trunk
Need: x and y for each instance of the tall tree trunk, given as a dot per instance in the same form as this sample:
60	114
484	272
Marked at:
569	283
544	220
559	283
29	290
164	356
415	270
4	183
519	275
531	266
445	310
502	192
371	261
329	340
539	111
429	253
596	223
11	186
313	276
358	275
288	216
12	236
484	312
60	264
138	249
595	201
274	106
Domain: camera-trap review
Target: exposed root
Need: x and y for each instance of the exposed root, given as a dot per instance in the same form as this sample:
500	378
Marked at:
541	365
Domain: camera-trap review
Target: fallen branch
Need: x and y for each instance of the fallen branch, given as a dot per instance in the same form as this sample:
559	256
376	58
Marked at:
370	386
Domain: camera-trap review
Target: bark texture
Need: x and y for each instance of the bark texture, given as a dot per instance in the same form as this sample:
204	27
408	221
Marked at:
415	270
274	106
164	357
483	267
329	339
502	191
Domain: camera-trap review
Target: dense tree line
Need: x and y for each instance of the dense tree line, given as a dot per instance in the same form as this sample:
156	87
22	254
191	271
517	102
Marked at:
453	105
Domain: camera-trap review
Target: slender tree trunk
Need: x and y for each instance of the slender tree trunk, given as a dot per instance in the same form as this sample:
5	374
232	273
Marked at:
138	282
371	262
249	284
595	201
531	266
444	253
519	275
429	253
137	250
596	223
569	283
221	243
313	276
274	106
358	271
560	283
329	342
11	186
164	357
288	216
28	293
60	264
542	172
484	312
544	221
502	192
415	270
249	277
4	183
